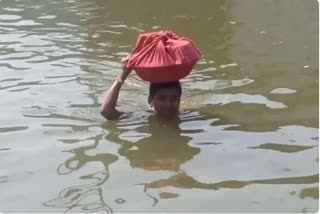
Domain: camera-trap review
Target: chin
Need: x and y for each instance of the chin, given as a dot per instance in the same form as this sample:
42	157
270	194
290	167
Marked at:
168	115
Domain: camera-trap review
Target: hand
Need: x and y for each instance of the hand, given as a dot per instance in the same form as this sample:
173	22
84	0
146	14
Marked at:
124	67
125	70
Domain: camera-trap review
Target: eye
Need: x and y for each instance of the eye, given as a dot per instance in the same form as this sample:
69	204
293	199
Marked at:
174	98
162	98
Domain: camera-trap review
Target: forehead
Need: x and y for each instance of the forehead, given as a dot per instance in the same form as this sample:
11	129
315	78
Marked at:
167	92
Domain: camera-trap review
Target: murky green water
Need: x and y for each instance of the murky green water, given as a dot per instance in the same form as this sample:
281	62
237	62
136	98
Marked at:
247	139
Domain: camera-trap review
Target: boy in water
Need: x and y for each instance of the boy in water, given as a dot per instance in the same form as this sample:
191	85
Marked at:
164	98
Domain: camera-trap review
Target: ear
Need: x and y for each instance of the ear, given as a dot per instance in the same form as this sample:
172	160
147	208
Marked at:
149	100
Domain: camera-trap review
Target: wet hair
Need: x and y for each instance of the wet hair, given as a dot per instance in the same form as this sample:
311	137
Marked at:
154	87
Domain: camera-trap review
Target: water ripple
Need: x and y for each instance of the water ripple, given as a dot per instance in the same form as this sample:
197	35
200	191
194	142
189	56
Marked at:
21	23
47	17
13	9
12	129
6	17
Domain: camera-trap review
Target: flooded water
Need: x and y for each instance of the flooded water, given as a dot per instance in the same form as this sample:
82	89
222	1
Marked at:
247	138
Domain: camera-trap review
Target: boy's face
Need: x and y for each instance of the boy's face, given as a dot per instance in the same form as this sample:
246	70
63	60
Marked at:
166	102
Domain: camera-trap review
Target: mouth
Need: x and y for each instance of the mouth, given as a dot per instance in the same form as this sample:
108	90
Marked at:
169	113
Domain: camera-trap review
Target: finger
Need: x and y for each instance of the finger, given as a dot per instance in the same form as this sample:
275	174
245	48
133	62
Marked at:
126	58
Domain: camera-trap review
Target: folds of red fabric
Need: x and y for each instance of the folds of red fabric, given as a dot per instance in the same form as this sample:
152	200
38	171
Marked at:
163	56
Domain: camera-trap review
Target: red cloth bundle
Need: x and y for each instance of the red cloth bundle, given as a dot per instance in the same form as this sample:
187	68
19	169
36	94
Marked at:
163	56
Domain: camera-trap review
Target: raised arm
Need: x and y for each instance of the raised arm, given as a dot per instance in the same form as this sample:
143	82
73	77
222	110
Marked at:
108	106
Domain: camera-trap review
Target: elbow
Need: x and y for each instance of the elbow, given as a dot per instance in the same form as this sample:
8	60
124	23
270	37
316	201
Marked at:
109	115
105	114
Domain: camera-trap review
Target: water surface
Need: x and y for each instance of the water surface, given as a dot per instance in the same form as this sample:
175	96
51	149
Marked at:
247	137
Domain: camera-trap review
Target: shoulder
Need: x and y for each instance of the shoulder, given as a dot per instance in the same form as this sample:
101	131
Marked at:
124	116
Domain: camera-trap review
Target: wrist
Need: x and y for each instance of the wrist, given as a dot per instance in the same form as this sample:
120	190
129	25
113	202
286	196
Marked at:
120	80
123	75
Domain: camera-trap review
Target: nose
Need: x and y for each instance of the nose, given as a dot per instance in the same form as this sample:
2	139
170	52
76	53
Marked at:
169	103
169	106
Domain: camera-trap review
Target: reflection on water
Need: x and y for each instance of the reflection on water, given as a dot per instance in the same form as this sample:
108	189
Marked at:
282	148
312	192
163	146
157	145
88	197
85	198
151	144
